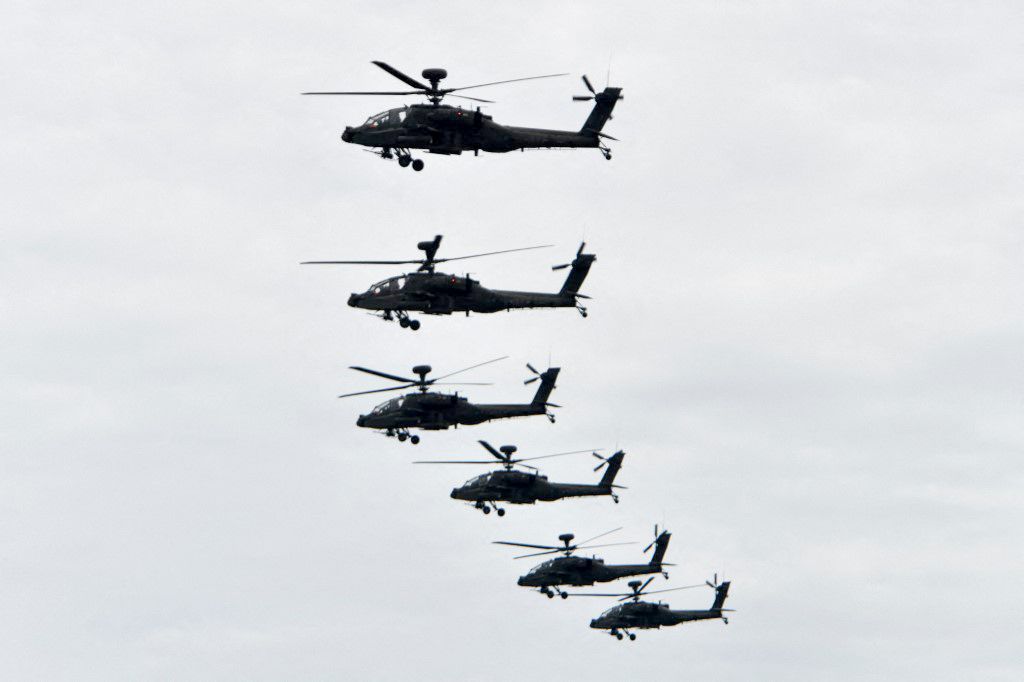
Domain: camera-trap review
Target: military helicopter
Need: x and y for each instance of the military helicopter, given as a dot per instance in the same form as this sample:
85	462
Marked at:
521	487
442	129
644	615
578	571
432	411
436	293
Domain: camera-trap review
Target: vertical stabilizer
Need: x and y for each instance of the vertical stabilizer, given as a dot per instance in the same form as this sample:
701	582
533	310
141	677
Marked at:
547	384
614	464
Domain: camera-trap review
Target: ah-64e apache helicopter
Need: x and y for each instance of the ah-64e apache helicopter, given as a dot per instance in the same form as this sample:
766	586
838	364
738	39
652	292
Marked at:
528	487
437	293
443	129
578	571
644	615
432	411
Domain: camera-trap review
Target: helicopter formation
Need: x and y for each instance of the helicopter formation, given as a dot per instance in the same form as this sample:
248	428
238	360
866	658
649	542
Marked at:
438	128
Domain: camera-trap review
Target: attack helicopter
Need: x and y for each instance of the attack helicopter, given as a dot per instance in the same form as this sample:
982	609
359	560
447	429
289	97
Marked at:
643	615
443	129
433	411
527	487
578	571
435	293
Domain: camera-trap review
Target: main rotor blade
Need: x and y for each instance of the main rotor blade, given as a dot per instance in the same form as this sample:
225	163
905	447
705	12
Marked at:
586	81
385	375
400	76
466	369
362	262
493	253
500	456
475	99
513	80
557	454
452	461
580	544
377	390
604	544
673	589
550	551
462	383
646	583
411	92
523	544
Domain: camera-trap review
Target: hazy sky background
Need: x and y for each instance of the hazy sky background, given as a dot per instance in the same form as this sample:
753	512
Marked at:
806	333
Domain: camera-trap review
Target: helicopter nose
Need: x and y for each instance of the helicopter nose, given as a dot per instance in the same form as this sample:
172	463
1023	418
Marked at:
354	299
347	135
361	421
594	624
521	582
454	496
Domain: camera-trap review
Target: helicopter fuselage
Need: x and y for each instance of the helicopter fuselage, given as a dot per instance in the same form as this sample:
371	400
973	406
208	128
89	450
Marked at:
436	411
521	487
644	615
444	129
578	571
437	293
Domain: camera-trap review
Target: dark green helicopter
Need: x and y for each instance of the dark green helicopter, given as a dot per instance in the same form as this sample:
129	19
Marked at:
578	571
432	411
442	129
522	487
643	615
436	293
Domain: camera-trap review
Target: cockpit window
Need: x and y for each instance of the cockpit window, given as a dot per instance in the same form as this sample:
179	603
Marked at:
477	480
401	115
392	404
610	611
378	120
388	286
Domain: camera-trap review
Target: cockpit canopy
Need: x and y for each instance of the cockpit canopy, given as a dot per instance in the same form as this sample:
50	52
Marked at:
391	117
388	406
391	285
611	612
542	567
478	480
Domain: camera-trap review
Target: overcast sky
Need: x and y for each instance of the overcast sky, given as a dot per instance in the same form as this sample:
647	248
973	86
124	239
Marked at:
806	333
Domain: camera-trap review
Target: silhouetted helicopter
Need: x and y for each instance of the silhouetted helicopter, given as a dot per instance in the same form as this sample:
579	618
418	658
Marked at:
522	487
644	615
578	571
436	411
437	293
443	129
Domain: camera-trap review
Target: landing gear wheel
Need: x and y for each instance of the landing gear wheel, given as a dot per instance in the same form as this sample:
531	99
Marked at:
414	324
402	437
417	165
632	637
415	440
487	510
551	595
564	595
404	161
501	512
403	323
618	635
